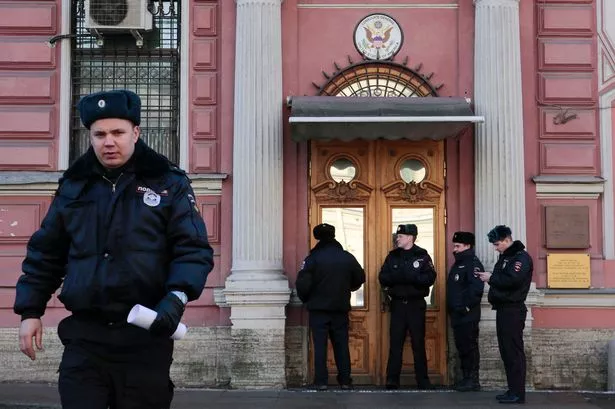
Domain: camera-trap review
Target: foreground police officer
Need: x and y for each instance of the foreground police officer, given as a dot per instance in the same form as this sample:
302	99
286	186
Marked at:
123	229
464	291
325	281
508	287
407	274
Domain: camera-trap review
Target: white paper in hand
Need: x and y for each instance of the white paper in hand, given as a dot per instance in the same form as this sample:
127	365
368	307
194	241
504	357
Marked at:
143	317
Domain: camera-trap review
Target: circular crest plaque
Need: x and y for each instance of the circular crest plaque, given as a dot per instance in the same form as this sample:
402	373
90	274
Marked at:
378	37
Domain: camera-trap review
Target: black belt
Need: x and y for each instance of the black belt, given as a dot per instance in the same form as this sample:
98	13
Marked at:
405	300
98	318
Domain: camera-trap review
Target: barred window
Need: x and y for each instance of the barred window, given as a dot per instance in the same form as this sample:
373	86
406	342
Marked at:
152	71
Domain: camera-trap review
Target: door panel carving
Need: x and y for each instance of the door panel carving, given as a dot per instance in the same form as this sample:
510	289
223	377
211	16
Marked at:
366	188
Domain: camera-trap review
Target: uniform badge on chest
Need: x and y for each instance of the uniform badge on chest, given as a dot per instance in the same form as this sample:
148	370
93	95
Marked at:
150	198
456	277
416	264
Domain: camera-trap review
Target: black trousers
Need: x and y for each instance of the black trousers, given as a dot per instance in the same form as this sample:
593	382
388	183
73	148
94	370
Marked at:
334	325
510	322
466	341
407	316
98	372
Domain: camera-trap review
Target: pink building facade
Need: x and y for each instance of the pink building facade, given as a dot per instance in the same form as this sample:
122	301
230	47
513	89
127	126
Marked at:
535	152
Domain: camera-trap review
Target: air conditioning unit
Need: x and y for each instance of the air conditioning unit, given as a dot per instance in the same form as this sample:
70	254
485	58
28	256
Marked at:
117	15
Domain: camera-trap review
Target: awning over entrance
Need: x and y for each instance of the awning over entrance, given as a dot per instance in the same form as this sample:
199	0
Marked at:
347	118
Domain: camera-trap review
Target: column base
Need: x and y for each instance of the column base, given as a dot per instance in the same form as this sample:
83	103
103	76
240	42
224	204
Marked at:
258	315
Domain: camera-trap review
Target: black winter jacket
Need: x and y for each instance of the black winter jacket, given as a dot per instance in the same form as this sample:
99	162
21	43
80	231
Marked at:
328	276
464	290
407	274
112	246
511	278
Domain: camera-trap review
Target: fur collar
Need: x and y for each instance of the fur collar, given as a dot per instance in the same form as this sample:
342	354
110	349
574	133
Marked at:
146	163
414	251
514	248
465	255
322	244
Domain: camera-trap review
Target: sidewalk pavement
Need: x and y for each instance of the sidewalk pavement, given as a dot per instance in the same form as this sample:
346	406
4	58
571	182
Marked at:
45	396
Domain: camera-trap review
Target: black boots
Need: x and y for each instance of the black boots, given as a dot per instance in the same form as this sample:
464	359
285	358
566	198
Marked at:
468	383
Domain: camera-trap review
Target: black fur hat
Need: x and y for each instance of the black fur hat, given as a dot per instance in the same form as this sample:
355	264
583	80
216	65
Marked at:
409	229
121	103
464	237
324	231
499	233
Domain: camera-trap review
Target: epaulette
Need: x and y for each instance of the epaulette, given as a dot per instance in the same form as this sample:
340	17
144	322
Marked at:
177	169
60	181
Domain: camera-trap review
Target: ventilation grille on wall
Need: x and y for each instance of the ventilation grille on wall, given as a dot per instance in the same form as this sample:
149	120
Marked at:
117	15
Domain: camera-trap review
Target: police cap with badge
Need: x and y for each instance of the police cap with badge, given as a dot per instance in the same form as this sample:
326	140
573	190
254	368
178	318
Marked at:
464	237
120	103
499	233
408	229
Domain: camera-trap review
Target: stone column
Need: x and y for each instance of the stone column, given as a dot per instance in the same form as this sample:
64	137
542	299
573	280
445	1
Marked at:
257	290
500	172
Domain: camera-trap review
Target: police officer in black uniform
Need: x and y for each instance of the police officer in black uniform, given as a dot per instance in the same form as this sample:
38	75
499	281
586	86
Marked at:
508	287
406	275
464	291
123	229
327	277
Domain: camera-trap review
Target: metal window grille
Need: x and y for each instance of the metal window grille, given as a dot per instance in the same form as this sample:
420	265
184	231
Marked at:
378	79
152	71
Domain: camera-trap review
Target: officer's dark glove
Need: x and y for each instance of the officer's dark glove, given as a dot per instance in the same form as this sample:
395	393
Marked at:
170	310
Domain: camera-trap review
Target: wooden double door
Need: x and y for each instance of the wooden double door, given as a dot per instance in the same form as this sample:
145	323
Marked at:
365	189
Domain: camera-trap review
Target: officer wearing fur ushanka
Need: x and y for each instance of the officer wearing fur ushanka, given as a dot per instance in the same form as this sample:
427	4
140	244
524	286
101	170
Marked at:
123	229
407	274
508	287
464	291
327	277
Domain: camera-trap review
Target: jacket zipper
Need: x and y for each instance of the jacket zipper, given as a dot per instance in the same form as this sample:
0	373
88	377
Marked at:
113	184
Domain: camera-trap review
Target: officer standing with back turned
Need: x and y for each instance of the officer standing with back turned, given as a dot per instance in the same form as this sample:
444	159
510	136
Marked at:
327	277
407	274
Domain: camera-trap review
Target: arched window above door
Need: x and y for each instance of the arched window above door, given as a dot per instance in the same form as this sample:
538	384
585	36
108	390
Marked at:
378	79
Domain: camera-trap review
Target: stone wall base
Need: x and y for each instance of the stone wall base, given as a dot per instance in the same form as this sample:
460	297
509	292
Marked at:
220	357
571	358
258	358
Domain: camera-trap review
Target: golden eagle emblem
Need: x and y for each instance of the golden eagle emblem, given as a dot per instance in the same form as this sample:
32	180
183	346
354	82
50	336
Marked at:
378	39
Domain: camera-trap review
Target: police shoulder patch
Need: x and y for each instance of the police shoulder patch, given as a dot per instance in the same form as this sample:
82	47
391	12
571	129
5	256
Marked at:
192	201
517	266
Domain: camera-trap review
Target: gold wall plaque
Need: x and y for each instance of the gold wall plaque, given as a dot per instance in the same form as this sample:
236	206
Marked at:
568	271
567	227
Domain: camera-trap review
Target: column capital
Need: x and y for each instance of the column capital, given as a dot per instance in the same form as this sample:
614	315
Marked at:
496	2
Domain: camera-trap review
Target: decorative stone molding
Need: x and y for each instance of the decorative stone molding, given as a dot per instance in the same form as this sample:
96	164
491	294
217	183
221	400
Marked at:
593	298
568	187
46	183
